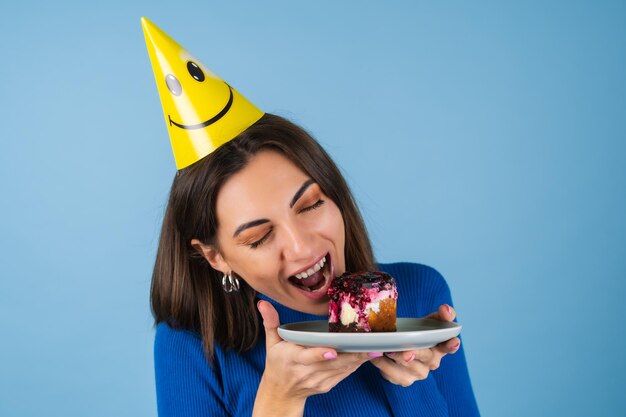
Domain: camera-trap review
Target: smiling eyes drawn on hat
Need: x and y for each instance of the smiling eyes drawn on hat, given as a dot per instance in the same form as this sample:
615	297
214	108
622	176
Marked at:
174	85
195	71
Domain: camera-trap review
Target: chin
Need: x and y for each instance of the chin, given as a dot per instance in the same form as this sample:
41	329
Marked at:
319	309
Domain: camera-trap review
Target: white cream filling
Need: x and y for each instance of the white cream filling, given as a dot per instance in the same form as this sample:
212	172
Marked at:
348	314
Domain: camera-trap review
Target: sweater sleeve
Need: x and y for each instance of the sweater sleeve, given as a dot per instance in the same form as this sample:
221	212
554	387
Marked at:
185	383
452	376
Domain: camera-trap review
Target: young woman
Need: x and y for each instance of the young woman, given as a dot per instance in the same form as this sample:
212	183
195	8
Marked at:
239	225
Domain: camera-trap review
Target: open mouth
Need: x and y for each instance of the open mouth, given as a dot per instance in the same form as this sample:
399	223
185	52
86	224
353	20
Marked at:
315	278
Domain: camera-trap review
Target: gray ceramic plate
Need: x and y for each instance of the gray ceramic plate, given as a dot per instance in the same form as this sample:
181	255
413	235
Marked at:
411	334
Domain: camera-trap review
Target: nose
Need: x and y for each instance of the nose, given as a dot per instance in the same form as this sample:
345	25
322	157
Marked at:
298	243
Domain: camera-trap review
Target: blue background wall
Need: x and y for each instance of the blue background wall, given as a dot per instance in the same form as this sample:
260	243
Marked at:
486	139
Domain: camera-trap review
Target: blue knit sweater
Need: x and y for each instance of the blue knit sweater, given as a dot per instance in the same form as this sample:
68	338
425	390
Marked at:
187	386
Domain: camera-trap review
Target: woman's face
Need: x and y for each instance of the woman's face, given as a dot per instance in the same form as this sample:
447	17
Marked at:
280	233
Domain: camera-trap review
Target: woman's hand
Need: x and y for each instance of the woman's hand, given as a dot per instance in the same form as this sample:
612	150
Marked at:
404	368
293	373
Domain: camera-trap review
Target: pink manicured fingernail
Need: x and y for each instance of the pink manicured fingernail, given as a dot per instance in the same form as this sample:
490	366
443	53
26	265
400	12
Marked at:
449	308
330	355
412	357
457	346
374	355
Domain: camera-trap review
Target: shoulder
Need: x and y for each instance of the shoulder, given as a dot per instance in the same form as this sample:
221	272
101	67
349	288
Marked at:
179	359
168	337
174	348
422	285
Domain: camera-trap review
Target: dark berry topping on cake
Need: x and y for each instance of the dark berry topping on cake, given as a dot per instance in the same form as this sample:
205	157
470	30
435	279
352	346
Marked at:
355	283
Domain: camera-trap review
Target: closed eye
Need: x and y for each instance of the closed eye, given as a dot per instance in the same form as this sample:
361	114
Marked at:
261	241
313	207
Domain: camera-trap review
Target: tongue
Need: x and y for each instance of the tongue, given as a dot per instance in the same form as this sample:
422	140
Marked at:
313	280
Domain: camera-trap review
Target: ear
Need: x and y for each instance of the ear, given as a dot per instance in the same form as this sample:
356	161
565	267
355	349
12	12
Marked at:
212	255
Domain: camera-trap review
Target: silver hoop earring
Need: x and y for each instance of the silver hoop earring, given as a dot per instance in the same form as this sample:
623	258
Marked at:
230	283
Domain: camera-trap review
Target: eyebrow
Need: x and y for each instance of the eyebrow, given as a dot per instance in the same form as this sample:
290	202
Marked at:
259	222
301	191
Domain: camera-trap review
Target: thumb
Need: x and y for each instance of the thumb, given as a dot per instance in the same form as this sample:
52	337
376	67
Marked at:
270	322
444	313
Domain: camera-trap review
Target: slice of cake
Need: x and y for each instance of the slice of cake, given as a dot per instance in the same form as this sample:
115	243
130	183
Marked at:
362	302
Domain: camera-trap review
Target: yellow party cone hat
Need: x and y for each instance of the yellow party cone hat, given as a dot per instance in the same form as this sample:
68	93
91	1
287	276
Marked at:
201	111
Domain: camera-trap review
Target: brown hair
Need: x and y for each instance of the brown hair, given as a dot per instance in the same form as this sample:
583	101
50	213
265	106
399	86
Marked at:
186	291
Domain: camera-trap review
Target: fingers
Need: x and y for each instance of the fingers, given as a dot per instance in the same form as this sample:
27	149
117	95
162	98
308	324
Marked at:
404	368
345	361
444	313
309	356
322	375
400	372
449	346
328	358
270	322
422	355
324	380
330	379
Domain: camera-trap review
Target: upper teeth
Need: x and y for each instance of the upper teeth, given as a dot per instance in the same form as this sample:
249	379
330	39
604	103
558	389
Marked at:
313	270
